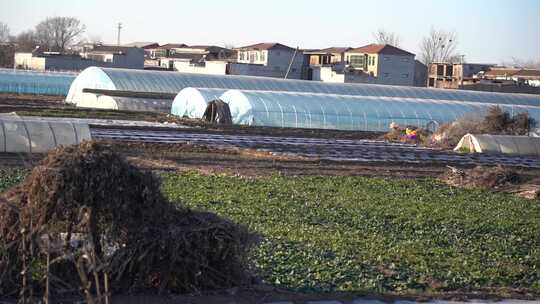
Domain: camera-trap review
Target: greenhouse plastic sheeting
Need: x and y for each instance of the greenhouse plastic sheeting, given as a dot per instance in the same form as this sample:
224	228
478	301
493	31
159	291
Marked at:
507	144
192	102
366	113
37	83
174	82
98	101
28	136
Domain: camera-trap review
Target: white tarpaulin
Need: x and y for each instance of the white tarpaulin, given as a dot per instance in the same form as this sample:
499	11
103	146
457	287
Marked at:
507	144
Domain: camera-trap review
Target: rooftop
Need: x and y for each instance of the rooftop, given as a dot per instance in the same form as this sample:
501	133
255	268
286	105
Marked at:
381	49
142	44
265	46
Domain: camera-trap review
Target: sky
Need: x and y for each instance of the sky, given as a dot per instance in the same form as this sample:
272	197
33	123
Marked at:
489	31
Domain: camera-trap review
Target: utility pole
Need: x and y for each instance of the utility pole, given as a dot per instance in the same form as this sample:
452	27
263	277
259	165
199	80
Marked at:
119	29
291	62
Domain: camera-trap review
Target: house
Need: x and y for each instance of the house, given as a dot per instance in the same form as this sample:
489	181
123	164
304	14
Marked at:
505	80
97	55
269	60
520	76
420	74
387	63
452	75
170	54
328	56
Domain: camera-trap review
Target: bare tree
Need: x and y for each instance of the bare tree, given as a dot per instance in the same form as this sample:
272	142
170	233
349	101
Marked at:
520	63
4	32
439	46
384	37
26	41
58	33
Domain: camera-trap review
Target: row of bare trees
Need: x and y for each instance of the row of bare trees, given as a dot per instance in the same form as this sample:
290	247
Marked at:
438	46
54	34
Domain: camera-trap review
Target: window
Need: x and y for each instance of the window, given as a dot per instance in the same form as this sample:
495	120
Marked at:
405	75
242	55
293	70
263	56
357	61
278	53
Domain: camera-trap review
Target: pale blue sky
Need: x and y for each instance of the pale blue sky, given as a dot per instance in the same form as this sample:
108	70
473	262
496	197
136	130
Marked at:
489	31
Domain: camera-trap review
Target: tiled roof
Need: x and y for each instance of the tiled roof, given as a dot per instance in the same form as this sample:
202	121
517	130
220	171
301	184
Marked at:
265	46
529	73
173	46
336	49
502	72
111	48
381	49
142	44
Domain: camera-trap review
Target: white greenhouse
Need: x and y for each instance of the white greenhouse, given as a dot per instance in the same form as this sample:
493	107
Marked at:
99	101
192	102
32	136
508	144
365	113
174	82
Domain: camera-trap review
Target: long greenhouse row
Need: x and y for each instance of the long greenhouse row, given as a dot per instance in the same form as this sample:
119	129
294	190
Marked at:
35	83
263	101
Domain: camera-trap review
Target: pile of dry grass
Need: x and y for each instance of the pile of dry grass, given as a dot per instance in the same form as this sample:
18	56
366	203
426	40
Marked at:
496	122
131	238
493	178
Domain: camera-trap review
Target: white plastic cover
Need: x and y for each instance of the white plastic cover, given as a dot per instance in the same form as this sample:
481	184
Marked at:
366	113
28	136
174	82
507	144
99	101
192	102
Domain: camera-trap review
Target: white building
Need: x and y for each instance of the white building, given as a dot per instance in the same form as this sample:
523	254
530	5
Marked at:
98	55
387	64
269	60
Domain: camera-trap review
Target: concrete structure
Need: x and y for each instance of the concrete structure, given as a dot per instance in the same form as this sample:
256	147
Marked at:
452	75
388	64
169	54
328	56
269	60
99	55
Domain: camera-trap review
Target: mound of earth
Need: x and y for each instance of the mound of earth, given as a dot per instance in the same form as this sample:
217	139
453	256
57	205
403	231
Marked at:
87	220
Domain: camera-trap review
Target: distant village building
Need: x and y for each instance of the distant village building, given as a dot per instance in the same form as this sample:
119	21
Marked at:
453	75
328	56
374	63
269	60
94	55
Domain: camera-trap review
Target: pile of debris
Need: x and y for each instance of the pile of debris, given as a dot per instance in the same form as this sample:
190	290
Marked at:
85	220
499	179
484	177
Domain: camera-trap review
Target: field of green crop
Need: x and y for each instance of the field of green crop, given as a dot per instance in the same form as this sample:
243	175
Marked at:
377	235
372	234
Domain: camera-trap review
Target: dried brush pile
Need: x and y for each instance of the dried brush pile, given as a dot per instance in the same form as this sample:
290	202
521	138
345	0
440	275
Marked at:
493	178
86	221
